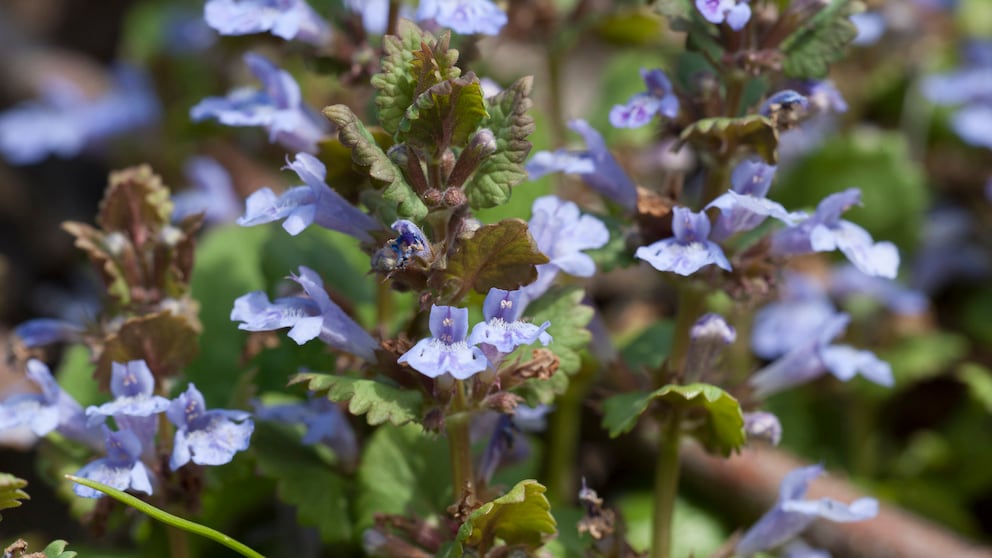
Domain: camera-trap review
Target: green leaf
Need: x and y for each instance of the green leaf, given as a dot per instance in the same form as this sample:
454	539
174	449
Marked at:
720	428
822	40
569	317
620	412
403	471
511	123
414	62
306	481
502	256
725	135
367	156
979	381
220	275
650	347
380	402
166	517
445	115
10	491
520	518
56	549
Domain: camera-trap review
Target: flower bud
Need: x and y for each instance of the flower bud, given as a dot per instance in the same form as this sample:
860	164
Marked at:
481	145
454	197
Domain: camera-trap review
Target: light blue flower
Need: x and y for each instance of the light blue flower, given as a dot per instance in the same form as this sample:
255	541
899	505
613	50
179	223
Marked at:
286	19
825	231
641	108
688	250
121	469
708	337
446	351
763	426
302	206
324	421
315	315
848	282
206	437
278	108
45	331
792	514
51	410
64	121
502	328
464	16
785	324
212	193
562	233
606	175
135	405
717	11
871	27
816	356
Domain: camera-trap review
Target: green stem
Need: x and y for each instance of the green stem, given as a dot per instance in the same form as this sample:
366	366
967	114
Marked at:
717	178
691	302
459	444
383	307
167	518
666	486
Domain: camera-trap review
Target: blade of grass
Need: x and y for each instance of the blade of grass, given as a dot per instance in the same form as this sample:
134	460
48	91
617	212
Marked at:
167	518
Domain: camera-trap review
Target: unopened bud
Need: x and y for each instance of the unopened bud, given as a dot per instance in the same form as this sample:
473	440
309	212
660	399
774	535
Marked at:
432	197
503	401
483	143
454	197
763	426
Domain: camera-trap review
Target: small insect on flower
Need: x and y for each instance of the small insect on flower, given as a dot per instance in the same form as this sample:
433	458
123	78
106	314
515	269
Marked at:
405	248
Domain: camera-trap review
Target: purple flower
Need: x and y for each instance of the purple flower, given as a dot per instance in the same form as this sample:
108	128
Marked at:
707	339
688	250
134	406
762	425
606	176
302	206
825	97
948	251
212	194
847	282
792	514
206	437
974	124
815	356
825	231
286	19
52	409
464	16
44	331
561	234
871	27
315	315
717	11
782	326
799	549
324	421
446	350
641	108
502	329
65	122
121	469
744	207
278	108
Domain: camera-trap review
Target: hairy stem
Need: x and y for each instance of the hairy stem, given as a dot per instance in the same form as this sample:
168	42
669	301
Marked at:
666	487
459	444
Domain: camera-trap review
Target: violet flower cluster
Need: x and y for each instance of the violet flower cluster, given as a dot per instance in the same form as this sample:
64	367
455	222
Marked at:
206	437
